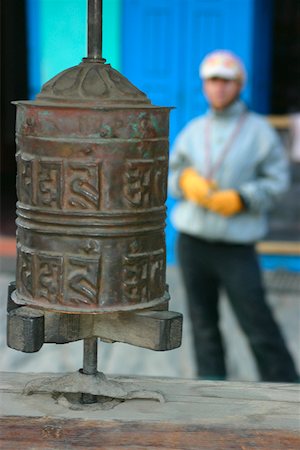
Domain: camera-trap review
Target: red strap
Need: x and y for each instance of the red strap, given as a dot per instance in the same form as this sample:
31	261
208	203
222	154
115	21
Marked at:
211	169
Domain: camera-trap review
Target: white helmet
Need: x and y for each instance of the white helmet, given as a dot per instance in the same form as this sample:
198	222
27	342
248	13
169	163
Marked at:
223	64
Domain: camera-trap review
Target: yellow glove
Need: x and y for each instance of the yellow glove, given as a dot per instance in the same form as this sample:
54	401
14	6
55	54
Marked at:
194	187
226	203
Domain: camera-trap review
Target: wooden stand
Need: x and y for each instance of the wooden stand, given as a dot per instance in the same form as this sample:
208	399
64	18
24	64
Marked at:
195	415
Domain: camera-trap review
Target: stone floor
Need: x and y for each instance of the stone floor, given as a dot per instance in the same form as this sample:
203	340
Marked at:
124	359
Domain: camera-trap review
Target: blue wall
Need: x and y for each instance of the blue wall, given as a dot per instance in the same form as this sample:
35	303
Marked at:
162	52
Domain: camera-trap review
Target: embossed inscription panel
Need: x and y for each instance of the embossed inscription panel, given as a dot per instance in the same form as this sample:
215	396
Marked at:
58	279
79	282
77	186
57	185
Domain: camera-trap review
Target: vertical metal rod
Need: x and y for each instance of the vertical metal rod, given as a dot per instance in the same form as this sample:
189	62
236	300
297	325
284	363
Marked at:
95	29
90	357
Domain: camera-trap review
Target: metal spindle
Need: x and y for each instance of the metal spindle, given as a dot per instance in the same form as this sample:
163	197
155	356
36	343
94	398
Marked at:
90	358
95	31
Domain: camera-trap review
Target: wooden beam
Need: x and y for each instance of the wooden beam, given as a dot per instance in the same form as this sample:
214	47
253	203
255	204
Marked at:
48	433
196	415
279	122
290	248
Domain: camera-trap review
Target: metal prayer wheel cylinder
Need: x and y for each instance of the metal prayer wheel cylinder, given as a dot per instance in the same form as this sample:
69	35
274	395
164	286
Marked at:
92	163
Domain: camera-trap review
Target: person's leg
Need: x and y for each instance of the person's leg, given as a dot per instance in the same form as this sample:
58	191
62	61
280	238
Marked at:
241	278
202	295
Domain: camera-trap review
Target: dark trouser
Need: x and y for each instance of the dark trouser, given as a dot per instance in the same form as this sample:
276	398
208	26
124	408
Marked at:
206	267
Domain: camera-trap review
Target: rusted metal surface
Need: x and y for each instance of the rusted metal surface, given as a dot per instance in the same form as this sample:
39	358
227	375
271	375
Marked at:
92	179
94	85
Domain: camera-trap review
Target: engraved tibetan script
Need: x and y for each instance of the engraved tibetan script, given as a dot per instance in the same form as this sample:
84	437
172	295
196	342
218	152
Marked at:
49	283
144	276
58	280
145	182
160	175
82	186
25	270
137	178
48	185
25	185
82	281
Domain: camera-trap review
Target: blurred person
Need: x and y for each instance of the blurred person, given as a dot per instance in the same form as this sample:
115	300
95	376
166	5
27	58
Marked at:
228	169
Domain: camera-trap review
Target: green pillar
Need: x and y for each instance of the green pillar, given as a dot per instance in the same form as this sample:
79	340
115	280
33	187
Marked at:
112	32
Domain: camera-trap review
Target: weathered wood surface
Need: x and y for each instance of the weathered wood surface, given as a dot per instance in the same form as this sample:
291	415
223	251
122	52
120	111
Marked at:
196	415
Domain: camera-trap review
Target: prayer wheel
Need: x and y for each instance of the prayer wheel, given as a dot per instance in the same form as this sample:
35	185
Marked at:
92	162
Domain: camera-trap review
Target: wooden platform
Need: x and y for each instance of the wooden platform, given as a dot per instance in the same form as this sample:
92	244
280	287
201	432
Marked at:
195	415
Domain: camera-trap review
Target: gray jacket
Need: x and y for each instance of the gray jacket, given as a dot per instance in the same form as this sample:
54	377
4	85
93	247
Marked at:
255	165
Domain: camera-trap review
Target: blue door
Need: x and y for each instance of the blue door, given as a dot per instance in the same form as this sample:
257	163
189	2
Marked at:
151	37
163	42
